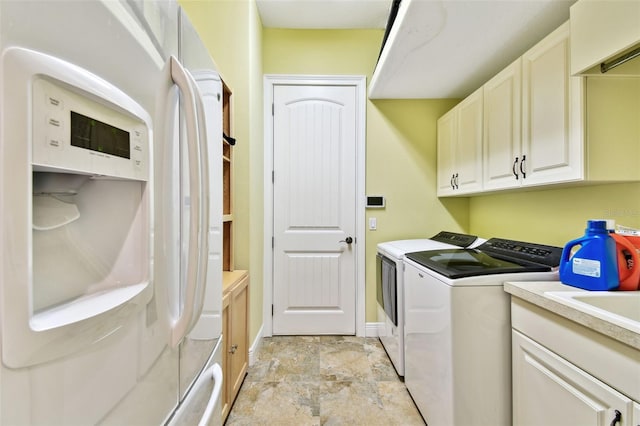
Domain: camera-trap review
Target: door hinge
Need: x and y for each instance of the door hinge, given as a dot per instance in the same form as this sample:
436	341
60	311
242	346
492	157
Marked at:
272	310
273	176
273	242
273	109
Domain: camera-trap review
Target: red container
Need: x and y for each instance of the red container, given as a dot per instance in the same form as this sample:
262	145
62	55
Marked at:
627	253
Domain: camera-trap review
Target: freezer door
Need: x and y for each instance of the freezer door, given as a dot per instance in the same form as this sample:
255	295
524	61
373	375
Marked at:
200	341
96	372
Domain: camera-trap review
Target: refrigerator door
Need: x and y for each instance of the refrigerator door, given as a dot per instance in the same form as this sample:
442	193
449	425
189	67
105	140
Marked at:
199	343
127	374
196	310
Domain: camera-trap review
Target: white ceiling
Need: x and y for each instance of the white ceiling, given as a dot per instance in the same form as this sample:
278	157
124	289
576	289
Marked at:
437	48
324	14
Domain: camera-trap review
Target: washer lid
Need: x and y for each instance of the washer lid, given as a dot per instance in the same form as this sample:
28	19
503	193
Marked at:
496	256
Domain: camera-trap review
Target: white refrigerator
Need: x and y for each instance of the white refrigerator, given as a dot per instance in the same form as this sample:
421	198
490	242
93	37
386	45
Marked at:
110	217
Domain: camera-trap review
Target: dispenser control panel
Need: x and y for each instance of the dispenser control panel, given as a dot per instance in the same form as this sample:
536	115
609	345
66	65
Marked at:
78	132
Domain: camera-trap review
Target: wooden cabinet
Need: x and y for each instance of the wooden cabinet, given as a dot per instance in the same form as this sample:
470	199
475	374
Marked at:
235	335
227	175
602	31
549	390
460	147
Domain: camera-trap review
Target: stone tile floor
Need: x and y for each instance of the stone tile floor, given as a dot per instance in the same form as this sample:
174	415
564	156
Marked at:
323	380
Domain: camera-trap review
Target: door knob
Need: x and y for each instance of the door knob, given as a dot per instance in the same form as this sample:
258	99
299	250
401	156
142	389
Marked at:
347	240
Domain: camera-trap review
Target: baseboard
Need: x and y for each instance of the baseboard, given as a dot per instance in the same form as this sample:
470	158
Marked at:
372	329
255	346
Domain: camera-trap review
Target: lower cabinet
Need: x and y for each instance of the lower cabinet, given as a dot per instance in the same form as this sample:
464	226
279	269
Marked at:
548	390
565	373
235	335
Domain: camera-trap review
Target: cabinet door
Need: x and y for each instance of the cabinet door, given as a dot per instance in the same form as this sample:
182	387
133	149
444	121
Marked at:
548	390
501	151
602	30
447	125
226	345
468	150
239	338
552	142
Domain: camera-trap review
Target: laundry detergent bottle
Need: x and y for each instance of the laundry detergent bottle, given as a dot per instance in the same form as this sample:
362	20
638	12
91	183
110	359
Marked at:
590	262
628	263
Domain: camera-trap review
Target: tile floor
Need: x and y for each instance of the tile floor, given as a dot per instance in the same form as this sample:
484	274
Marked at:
323	380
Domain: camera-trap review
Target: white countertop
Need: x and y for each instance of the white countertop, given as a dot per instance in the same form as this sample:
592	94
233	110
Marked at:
534	292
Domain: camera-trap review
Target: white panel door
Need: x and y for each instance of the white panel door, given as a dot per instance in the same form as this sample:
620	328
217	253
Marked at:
314	148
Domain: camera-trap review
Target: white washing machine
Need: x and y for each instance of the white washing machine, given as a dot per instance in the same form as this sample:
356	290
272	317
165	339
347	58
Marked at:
390	289
458	328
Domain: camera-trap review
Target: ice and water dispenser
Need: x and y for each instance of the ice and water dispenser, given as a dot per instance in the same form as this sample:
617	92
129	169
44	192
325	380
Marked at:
80	217
90	203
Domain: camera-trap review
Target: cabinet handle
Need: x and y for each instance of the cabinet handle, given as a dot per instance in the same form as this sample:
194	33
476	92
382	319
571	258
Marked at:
513	169
617	419
455	181
233	349
451	181
524	175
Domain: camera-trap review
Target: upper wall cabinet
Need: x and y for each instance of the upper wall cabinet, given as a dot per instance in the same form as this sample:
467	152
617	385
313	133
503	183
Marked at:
541	126
603	32
460	147
533	123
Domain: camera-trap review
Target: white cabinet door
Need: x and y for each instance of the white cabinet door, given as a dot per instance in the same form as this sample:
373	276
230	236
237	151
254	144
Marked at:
460	147
602	30
501	152
468	152
447	129
548	390
552	142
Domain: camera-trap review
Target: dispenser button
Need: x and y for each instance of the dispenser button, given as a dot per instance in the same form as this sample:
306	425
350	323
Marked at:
54	142
53	101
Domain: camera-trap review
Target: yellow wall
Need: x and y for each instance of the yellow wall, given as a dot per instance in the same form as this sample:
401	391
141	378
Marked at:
400	138
553	216
401	153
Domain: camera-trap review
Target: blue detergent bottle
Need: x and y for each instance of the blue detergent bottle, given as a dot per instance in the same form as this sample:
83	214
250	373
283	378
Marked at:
594	265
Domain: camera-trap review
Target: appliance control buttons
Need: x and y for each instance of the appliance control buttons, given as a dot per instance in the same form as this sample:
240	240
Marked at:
54	131
137	151
53	101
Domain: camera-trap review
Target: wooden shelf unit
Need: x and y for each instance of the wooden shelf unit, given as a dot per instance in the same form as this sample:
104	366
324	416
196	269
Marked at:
227	181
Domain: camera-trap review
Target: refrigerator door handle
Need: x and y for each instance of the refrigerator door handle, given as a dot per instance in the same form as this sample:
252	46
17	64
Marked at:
204	205
180	77
215	373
